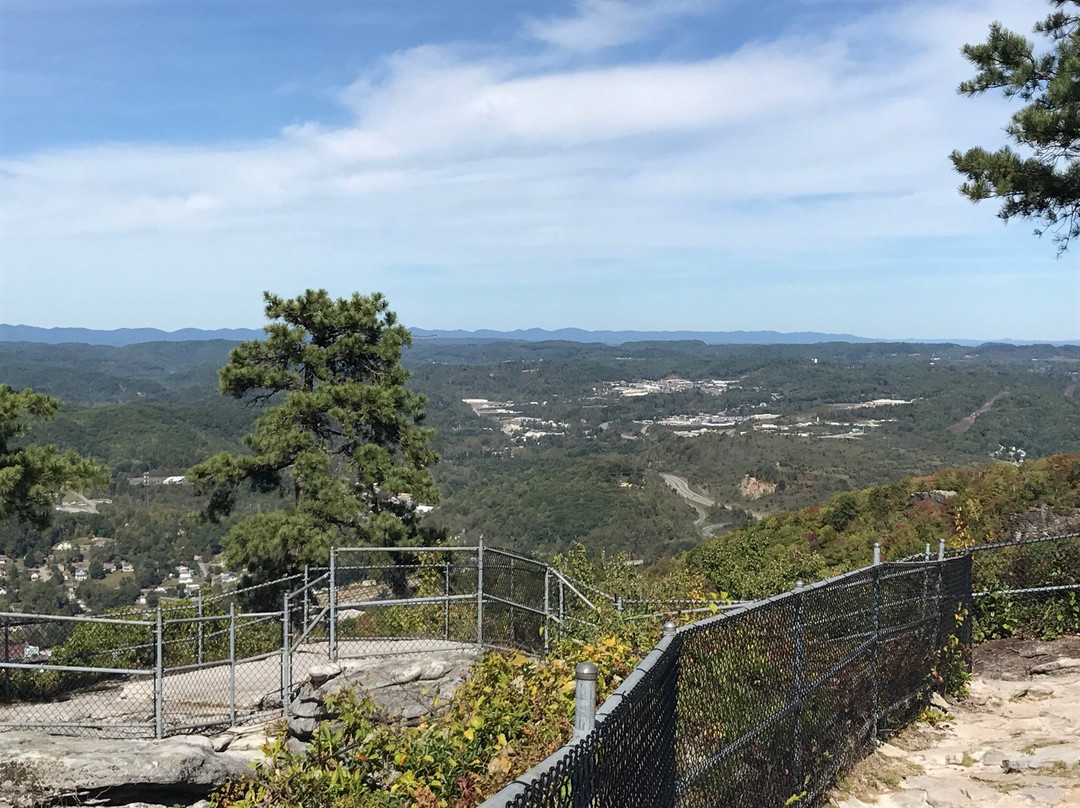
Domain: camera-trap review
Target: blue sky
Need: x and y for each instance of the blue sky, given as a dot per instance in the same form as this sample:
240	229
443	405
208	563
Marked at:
606	164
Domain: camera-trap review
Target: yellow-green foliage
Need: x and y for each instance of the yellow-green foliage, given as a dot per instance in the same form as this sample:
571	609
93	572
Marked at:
510	714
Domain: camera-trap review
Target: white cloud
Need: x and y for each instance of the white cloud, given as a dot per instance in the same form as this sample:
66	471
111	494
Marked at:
600	24
824	145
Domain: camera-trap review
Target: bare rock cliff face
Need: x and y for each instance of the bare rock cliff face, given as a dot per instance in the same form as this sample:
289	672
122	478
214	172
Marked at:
1045	522
753	488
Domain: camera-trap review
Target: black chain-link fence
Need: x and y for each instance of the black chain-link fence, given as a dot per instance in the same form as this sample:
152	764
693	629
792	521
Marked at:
763	705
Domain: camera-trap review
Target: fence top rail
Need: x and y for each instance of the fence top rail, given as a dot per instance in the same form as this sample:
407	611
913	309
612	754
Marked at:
453	549
977	548
354	604
516	556
845	578
1032	590
45	666
206	618
75	619
574	589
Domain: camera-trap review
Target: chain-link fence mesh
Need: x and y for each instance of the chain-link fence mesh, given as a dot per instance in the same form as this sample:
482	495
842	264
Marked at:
72	675
218	670
1029	585
763	705
404	601
220	660
517	595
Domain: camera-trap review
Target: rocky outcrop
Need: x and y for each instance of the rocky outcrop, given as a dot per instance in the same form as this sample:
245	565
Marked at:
753	488
1009	744
937	496
41	769
1045	521
404	690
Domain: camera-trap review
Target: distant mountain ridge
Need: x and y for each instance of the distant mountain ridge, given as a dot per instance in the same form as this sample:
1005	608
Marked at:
620	337
120	337
129	336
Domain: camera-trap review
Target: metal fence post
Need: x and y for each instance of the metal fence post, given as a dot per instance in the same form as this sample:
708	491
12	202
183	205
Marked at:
7	658
923	604
480	593
331	647
562	601
513	635
941	550
877	553
232	664
797	772
446	603
669	725
875	573
307	597
159	680
547	607
199	632
584	699
286	672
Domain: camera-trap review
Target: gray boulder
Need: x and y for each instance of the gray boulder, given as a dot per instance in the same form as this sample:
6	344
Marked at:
405	690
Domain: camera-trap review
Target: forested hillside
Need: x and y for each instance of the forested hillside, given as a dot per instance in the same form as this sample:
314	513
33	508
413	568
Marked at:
965	507
545	444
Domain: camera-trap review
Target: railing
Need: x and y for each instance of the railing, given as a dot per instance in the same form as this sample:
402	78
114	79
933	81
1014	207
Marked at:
208	663
762	705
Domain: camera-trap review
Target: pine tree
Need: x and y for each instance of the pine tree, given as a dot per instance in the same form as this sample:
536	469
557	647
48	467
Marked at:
1042	180
32	477
342	444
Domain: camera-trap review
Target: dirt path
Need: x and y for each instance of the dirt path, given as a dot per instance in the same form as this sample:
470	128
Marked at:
964	424
1015	741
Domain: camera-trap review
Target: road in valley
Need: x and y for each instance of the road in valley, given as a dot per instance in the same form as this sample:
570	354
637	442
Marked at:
695	500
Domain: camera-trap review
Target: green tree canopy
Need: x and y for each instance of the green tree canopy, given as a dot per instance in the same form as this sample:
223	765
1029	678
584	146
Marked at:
343	442
31	477
1042	180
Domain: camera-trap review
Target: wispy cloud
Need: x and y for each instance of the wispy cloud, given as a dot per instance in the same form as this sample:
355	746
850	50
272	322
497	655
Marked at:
600	24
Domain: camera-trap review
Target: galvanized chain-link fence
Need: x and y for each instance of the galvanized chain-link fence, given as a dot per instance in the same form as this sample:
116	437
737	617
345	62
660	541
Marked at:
762	705
217	661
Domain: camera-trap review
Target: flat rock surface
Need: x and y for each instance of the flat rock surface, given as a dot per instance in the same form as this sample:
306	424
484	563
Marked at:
1014	742
37	769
